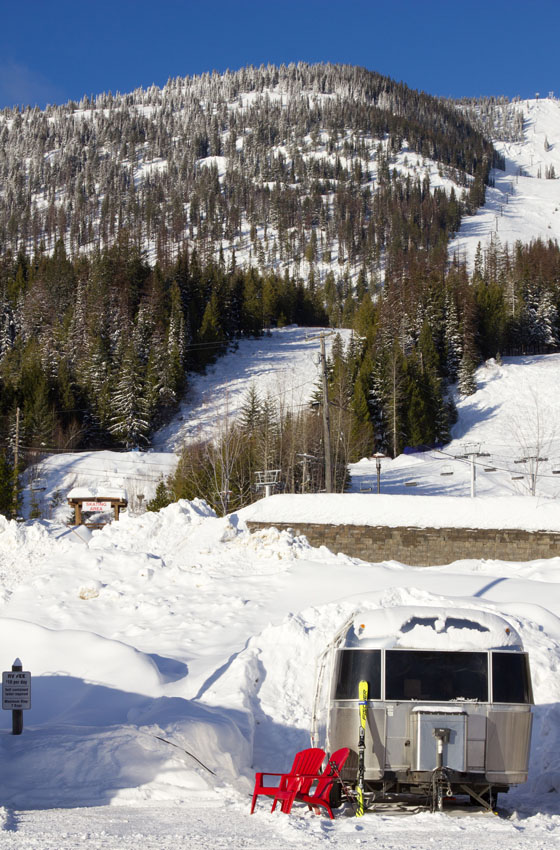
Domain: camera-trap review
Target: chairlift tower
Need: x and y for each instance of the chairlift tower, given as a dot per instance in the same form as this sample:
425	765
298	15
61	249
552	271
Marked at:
267	480
471	451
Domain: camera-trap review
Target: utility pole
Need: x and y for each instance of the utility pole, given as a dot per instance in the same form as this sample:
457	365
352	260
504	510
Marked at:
305	458
533	461
326	419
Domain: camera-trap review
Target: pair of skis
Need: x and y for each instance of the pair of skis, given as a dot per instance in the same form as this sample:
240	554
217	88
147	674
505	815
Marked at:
360	785
357	797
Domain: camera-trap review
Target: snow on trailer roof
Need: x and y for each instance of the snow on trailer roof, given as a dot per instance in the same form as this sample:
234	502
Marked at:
500	512
430	627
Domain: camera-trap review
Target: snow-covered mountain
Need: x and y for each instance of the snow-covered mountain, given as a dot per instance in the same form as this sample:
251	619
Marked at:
524	202
279	168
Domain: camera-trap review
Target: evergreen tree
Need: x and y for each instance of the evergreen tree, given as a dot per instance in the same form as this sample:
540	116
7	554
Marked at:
467	375
211	332
362	440
6	486
546	321
452	339
250	415
129	422
162	498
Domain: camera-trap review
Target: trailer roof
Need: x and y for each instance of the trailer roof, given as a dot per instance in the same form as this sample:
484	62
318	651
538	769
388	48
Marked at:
417	627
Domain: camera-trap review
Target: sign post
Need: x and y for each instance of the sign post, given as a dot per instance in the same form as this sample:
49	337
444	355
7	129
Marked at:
16	694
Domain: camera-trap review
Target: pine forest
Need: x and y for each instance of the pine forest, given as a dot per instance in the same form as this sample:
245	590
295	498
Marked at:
141	235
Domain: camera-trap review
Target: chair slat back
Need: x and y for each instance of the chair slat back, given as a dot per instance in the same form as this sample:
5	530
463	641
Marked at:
308	765
333	768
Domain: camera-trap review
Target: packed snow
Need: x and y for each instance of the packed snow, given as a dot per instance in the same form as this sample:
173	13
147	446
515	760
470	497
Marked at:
281	365
524	203
173	654
423	627
410	511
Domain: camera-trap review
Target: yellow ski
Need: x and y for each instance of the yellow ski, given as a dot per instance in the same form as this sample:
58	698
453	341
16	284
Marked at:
363	698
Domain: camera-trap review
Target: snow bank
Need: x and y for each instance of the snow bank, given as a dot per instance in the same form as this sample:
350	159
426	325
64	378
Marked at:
155	530
174	654
102	729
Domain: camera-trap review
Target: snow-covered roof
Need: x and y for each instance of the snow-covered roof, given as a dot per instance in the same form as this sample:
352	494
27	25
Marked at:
430	627
98	493
514	512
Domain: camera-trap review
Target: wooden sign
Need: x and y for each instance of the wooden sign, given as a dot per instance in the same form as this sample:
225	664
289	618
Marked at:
96	507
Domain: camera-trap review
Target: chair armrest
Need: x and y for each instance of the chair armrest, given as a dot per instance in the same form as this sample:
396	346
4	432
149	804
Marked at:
272	774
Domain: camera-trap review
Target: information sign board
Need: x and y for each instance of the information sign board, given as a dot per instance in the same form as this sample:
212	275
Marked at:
96	507
16	690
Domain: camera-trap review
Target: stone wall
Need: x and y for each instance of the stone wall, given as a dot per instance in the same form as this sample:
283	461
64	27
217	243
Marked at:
422	547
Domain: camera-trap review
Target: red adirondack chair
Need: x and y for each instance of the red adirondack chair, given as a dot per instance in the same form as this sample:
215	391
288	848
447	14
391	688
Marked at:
306	763
297	787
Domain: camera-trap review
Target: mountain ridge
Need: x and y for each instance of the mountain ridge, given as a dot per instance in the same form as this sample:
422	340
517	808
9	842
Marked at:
291	139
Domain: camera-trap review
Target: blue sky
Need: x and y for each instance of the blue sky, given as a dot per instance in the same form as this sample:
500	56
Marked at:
54	51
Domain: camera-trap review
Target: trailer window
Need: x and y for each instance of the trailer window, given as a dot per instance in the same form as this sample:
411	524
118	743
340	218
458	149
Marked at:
440	676
354	666
510	677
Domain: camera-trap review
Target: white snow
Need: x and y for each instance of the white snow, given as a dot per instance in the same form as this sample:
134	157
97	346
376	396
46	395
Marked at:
281	365
174	654
523	205
512	419
99	492
421	626
409	511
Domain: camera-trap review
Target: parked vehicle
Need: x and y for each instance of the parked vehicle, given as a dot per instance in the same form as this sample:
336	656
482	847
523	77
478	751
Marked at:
448	709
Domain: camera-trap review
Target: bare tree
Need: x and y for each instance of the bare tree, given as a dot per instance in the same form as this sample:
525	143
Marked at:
533	428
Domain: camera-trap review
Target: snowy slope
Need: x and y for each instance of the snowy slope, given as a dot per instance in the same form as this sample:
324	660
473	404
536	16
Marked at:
513	418
281	365
523	205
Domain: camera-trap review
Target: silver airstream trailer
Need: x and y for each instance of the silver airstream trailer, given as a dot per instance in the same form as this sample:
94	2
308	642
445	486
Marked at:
449	704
